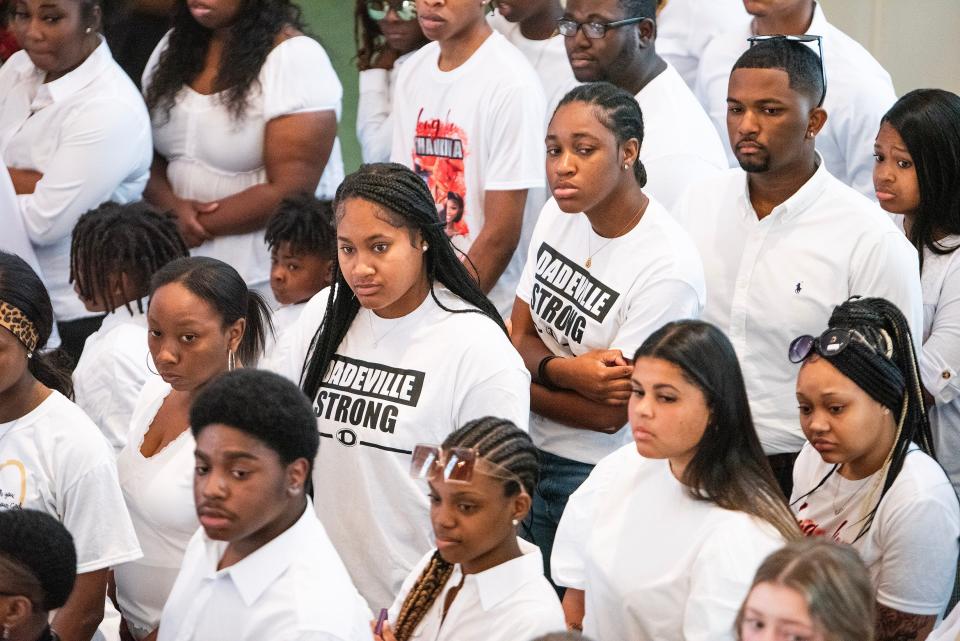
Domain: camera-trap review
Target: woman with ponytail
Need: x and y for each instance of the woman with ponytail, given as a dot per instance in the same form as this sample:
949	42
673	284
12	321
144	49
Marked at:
867	477
52	457
202	320
401	349
481	582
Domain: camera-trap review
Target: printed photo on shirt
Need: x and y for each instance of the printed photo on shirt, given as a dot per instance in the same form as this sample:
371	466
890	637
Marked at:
438	157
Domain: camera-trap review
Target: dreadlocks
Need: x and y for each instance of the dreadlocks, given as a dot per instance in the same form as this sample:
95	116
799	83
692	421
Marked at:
117	239
305	224
409	203
497	441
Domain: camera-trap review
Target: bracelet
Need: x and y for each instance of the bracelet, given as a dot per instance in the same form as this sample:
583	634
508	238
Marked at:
542	377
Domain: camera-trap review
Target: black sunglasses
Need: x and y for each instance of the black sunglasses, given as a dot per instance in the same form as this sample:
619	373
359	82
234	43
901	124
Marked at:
831	343
805	39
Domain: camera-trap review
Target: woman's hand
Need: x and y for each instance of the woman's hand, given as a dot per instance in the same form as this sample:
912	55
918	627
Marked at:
601	376
24	180
386	634
188	221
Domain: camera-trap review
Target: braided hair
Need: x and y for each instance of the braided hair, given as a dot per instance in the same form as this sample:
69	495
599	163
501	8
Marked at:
893	382
409	203
497	441
306	224
141	241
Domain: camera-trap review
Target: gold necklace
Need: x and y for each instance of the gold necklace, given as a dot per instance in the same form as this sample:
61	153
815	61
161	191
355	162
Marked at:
636	217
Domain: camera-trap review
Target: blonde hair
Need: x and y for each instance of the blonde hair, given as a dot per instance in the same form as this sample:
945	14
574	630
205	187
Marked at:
832	580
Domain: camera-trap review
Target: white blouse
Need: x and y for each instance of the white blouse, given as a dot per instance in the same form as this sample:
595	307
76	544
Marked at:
211	155
158	491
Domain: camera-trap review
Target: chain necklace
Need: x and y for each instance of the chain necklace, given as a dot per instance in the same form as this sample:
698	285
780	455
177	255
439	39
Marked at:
376	339
589	262
836	492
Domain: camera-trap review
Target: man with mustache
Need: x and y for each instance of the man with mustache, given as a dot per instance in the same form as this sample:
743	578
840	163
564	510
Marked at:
615	41
783	242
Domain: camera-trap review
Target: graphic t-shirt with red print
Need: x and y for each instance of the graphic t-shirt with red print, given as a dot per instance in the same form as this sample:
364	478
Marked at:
474	129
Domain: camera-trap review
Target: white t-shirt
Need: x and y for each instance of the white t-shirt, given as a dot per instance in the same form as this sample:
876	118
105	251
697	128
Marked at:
911	547
940	357
284	318
88	133
471	130
111	372
859	93
374	111
396	383
949	629
616	304
680	146
684	28
293	588
210	155
774	279
159	494
656	564
55	460
509	602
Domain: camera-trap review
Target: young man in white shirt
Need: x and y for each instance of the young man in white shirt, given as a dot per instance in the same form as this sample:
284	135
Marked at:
860	93
614	40
786	242
469	119
262	566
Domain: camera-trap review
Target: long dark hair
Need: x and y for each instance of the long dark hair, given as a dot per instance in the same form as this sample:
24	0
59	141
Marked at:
251	39
928	120
367	36
409	203
219	284
21	287
729	468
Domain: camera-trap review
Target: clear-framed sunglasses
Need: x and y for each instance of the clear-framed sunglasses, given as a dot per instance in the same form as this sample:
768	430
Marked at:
805	38
454	465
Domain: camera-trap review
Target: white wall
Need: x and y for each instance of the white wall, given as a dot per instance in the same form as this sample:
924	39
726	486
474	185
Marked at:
917	41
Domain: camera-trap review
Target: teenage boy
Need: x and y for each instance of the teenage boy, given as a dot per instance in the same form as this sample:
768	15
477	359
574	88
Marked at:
261	566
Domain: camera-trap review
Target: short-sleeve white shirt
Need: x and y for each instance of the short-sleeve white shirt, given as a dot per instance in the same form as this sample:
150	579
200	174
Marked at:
911	547
111	372
656	564
88	133
158	491
774	279
615	304
680	146
55	460
396	383
471	130
859	93
375	111
685	27
509	601
211	155
294	588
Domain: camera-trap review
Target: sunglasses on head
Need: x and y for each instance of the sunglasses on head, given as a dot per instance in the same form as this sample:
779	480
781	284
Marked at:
406	10
832	342
805	39
454	465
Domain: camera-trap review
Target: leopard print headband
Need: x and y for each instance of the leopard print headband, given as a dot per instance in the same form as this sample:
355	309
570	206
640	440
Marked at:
13	319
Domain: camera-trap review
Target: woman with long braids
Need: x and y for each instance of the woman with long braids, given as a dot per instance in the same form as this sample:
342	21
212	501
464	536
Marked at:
244	109
201	321
402	349
867	477
481	582
661	542
387	32
113	367
917	174
52	457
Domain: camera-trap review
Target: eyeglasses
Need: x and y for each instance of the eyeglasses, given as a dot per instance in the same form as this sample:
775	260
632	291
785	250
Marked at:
832	342
805	39
378	9
568	27
453	465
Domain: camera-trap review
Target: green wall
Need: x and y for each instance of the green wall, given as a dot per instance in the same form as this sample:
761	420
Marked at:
332	22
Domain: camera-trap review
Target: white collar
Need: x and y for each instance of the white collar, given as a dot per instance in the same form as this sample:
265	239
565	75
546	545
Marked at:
799	202
496	585
69	84
256	572
122	315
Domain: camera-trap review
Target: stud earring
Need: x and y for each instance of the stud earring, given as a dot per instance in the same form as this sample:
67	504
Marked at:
626	166
89	30
292	490
515	522
886	410
6	631
425	247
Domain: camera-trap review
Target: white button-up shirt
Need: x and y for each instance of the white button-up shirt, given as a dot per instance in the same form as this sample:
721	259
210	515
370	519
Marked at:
294	588
111	372
88	133
509	602
685	27
771	280
859	93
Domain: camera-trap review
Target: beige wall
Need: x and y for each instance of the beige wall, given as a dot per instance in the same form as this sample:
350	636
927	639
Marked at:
918	41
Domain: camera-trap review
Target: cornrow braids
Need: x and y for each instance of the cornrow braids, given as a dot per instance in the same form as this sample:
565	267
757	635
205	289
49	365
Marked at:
306	224
409	203
141	241
501	442
422	596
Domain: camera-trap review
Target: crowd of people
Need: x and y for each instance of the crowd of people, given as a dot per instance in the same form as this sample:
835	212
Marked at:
680	313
